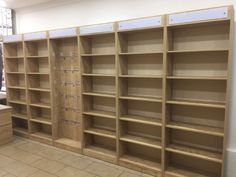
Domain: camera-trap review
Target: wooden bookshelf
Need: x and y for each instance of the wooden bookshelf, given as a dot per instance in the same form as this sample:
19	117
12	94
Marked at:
150	94
14	64
140	58
99	84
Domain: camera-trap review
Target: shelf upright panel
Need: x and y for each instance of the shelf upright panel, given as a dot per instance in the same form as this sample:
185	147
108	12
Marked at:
199	52
65	58
141	61
99	92
14	63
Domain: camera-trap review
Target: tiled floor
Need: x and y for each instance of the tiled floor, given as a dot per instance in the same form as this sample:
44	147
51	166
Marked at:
25	158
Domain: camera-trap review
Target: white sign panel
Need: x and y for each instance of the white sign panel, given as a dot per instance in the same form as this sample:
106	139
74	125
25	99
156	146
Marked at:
35	36
63	33
12	38
102	28
201	15
141	23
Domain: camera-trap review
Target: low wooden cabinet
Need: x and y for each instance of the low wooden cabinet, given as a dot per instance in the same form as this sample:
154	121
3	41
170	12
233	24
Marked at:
5	124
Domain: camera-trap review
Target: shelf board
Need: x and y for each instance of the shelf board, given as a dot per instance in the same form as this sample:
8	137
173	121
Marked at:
37	56
100	113
69	142
101	132
20	130
15	72
143	163
100	153
99	75
108	95
141	120
40	89
196	128
13	57
194	152
141	53
41	105
197	103
200	50
41	120
197	77
37	73
142	98
141	76
20	116
42	135
141	141
17	87
23	102
181	172
98	54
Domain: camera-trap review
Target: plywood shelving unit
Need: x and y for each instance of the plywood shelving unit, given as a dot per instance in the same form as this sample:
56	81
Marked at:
38	75
198	60
149	94
98	61
16	83
65	57
140	51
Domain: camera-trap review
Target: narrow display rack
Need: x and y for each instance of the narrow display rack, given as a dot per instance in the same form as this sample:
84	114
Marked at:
150	94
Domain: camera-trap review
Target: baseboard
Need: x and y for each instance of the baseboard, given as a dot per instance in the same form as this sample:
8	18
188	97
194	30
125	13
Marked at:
230	169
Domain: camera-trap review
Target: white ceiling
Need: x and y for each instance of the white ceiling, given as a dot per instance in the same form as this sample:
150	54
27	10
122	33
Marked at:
15	4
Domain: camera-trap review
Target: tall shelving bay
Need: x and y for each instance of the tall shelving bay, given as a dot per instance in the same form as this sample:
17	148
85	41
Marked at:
65	58
14	64
38	76
99	91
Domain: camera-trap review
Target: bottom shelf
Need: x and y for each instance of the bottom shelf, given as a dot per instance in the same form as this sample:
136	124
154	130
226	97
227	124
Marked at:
100	147
41	132
140	164
20	127
141	158
68	144
100	152
20	131
184	166
178	172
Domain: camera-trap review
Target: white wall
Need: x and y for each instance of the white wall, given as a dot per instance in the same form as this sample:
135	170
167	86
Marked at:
84	12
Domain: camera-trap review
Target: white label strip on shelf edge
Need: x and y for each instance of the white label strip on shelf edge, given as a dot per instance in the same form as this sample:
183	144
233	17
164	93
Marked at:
35	36
63	33
12	38
201	15
102	28
141	23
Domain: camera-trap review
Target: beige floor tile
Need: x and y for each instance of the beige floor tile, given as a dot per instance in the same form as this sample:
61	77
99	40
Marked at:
127	174
73	172
42	174
9	150
2	173
52	154
9	175
20	169
25	157
103	170
48	165
4	161
32	147
76	162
